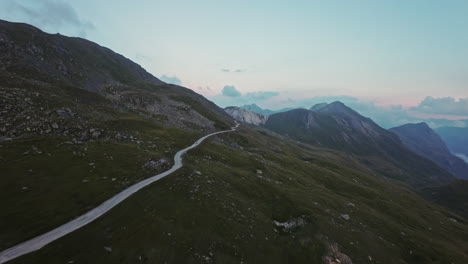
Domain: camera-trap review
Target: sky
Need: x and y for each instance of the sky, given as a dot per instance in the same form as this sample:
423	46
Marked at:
387	55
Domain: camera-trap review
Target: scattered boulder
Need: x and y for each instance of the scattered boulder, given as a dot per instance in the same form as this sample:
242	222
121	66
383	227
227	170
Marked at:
334	256
155	164
108	249
66	113
96	134
345	217
291	224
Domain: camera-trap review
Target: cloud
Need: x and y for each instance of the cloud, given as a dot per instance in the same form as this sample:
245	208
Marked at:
259	96
170	79
461	156
233	70
49	15
443	106
142	57
230	91
204	88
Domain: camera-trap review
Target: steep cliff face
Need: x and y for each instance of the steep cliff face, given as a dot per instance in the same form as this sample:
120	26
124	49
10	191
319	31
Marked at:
246	116
426	142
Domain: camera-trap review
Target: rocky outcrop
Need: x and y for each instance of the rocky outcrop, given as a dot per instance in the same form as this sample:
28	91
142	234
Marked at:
334	256
67	71
246	116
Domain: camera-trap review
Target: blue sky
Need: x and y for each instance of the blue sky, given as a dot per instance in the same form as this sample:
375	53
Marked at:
279	53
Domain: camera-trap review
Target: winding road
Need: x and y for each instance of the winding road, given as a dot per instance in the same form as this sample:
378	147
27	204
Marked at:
44	239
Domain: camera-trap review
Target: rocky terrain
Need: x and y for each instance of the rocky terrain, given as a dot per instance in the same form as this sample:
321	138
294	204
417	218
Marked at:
255	108
32	61
426	142
246	116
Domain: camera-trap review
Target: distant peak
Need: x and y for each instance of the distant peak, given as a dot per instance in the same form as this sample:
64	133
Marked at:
337	107
337	103
422	125
318	106
251	105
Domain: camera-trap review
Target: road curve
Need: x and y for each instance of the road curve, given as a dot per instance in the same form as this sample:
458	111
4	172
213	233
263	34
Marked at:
44	239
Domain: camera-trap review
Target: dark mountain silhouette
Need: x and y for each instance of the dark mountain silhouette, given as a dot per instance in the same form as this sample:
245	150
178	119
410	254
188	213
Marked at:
426	142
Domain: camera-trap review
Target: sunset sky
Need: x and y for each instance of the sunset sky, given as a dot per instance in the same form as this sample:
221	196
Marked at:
280	53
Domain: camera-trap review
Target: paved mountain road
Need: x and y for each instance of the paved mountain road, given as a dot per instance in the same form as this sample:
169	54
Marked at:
42	240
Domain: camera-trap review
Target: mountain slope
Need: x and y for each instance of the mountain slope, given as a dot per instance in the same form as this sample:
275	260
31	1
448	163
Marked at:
69	142
255	108
456	139
36	55
246	116
426	142
318	106
251	196
338	127
453	196
30	57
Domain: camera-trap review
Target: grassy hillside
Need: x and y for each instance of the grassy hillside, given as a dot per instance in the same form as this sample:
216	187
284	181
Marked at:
247	197
453	196
75	130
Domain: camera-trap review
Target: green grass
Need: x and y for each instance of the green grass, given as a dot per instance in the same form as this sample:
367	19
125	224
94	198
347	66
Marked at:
226	214
61	184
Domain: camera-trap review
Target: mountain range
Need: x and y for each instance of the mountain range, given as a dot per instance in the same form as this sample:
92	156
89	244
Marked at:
79	123
255	108
338	127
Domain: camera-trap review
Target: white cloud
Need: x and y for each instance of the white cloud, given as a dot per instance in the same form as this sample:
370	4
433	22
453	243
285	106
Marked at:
443	106
49	15
170	79
230	91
